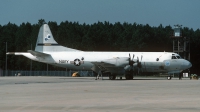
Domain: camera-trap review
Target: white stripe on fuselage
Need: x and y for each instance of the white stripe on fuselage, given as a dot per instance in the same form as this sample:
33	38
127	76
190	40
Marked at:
64	58
100	56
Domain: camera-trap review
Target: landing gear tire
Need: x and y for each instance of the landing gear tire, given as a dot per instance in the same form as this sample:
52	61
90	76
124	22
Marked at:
169	77
129	75
112	77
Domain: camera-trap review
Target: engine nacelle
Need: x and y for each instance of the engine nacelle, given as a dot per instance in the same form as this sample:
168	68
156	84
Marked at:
127	68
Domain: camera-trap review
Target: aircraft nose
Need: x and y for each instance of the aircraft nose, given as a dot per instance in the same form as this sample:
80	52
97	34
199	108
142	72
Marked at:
186	65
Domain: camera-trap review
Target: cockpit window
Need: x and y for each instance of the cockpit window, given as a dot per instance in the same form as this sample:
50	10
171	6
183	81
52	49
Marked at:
173	57
178	57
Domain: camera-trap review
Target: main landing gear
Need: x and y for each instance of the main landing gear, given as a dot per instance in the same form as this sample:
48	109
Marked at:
112	76
129	75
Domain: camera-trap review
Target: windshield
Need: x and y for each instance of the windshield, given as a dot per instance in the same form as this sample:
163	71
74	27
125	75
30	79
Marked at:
173	57
176	56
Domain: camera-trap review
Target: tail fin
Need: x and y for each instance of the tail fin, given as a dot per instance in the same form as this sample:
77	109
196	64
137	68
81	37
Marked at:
46	43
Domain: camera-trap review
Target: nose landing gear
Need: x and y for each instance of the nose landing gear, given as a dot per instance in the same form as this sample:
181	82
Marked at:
169	77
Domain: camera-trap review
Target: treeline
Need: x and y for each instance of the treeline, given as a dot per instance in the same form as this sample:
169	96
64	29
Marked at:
100	36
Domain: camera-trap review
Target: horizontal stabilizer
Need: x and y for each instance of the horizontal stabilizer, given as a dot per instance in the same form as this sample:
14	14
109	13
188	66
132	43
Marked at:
17	53
10	53
38	54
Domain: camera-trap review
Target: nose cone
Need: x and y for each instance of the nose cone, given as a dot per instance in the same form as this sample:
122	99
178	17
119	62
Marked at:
186	65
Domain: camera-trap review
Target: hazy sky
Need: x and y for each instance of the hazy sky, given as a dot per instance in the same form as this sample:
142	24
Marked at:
152	12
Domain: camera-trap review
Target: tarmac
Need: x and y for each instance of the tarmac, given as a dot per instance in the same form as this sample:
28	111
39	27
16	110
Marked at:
85	94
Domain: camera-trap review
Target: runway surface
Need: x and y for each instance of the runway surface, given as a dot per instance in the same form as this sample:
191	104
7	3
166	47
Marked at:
85	94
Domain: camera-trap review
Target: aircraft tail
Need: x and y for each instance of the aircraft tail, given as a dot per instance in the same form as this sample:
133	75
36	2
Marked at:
46	43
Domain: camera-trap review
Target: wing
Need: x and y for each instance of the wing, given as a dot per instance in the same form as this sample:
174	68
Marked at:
113	65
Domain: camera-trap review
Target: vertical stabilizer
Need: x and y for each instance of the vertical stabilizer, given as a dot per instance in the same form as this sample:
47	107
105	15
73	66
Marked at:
46	43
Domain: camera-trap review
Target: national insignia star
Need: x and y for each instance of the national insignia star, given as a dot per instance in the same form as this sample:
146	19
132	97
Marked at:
76	62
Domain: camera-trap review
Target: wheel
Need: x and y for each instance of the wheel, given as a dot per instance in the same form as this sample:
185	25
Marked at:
129	76
112	77
169	78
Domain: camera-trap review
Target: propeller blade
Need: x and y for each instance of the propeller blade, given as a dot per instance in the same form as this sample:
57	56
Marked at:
133	57
131	62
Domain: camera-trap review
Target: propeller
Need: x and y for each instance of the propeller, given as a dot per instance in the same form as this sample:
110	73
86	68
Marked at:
139	64
134	66
135	63
131	61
